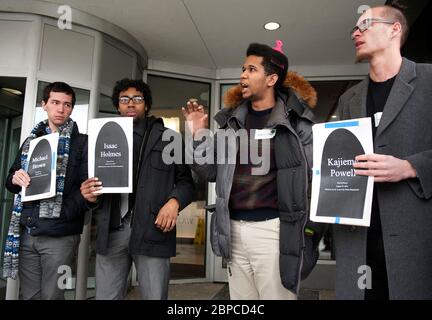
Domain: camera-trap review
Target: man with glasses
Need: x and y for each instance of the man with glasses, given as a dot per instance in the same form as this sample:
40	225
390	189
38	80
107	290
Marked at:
392	259
140	226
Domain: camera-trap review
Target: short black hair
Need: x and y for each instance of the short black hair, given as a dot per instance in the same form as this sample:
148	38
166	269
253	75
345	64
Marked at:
139	85
396	12
274	62
58	87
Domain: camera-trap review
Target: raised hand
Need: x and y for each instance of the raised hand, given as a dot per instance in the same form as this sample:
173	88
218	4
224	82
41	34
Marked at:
195	116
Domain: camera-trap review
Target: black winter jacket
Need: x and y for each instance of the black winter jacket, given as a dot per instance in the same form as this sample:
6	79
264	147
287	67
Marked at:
157	183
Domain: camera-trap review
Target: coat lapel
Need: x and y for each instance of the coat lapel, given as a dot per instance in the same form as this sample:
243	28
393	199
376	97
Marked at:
399	95
357	104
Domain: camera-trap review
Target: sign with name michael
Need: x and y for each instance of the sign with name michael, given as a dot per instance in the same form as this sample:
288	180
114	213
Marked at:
41	167
111	153
339	195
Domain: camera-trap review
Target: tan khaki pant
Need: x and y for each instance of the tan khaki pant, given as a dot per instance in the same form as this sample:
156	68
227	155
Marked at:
255	262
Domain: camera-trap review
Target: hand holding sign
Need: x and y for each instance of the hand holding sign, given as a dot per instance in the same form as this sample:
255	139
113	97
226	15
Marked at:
90	189
384	168
21	178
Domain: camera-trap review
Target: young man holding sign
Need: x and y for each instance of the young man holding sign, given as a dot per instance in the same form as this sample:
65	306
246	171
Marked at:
392	258
139	226
43	234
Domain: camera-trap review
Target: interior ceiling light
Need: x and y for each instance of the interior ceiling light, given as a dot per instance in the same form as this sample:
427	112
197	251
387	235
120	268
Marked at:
13	91
271	26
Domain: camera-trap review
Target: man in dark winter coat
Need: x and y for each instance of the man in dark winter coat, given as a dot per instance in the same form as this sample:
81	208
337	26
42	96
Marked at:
45	233
140	227
261	210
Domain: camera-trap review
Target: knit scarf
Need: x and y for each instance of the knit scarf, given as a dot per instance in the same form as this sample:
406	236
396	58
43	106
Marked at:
49	208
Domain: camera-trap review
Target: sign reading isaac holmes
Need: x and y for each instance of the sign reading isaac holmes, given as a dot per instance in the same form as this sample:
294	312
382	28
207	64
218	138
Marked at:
338	194
41	167
110	153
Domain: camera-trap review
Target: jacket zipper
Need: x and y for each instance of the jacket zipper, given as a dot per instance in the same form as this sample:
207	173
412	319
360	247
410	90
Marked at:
228	194
306	187
307	208
137	176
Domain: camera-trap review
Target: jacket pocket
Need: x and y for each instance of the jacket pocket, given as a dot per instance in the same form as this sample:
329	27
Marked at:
157	157
214	239
291	217
218	229
291	186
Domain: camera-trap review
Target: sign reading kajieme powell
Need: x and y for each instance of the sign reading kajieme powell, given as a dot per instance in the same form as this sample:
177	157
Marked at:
111	153
41	167
339	195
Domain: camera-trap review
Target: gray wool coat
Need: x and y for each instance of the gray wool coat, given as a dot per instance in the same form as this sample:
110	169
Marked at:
405	132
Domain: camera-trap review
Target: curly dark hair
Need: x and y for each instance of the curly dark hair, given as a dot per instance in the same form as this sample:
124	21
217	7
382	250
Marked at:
274	62
139	85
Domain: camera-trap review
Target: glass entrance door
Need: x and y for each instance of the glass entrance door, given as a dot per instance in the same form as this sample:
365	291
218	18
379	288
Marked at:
169	94
11	110
12	138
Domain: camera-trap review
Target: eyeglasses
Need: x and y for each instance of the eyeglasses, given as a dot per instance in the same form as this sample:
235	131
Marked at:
135	99
366	24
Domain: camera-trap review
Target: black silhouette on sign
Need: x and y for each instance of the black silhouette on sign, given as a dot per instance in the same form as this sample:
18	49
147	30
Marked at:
112	156
39	169
342	193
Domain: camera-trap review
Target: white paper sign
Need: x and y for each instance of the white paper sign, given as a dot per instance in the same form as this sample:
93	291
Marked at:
338	195
41	166
110	153
264	134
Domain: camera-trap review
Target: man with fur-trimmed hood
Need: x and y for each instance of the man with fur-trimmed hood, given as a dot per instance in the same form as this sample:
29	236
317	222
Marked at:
260	224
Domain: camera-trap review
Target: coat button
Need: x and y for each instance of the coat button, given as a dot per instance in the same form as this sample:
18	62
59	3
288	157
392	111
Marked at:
29	219
353	228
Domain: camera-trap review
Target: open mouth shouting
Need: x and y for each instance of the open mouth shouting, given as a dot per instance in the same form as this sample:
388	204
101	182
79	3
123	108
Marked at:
244	87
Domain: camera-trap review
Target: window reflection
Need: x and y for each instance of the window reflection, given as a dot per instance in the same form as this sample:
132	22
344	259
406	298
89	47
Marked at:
169	95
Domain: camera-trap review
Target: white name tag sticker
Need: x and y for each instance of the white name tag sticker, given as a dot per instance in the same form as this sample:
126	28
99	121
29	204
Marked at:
265	134
377	117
